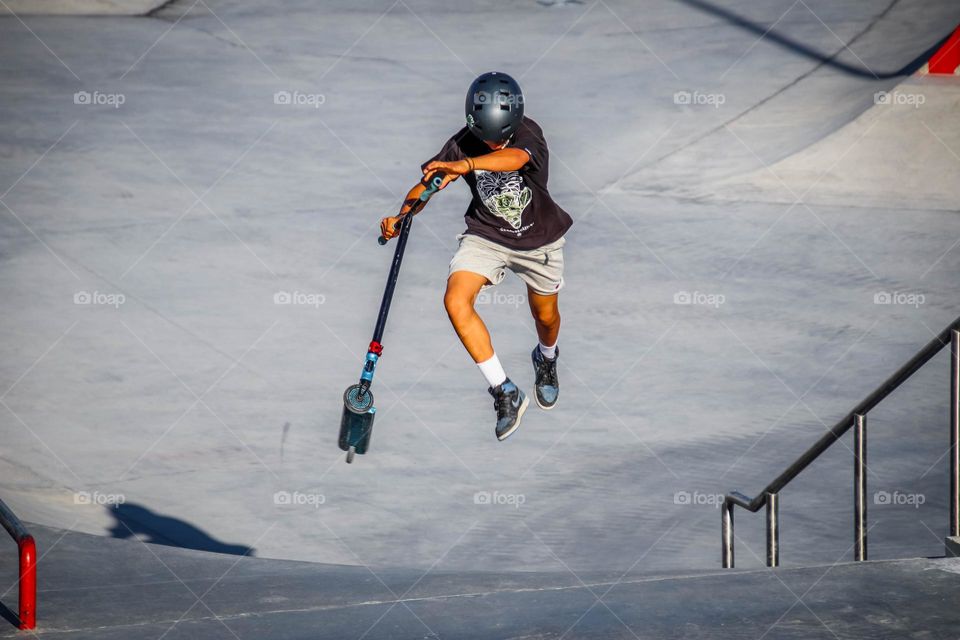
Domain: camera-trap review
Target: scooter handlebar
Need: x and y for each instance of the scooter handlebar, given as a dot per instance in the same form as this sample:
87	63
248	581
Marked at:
433	183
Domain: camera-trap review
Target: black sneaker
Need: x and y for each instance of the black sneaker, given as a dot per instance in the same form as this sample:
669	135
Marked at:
510	404
548	387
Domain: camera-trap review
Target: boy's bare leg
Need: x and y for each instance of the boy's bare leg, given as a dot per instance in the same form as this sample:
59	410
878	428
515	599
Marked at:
462	290
546	315
510	402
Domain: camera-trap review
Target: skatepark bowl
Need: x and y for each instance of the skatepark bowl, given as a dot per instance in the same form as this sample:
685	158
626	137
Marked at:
760	323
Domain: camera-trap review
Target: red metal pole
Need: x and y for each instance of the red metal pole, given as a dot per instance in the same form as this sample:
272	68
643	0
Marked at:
28	583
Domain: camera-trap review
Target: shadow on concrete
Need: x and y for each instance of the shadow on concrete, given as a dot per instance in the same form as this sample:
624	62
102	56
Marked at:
9	616
135	521
795	46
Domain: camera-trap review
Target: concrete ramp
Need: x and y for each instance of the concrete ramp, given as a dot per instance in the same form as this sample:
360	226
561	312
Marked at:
106	589
824	85
904	152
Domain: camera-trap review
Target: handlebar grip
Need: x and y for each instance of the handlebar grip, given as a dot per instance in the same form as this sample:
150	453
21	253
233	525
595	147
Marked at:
432	185
396	227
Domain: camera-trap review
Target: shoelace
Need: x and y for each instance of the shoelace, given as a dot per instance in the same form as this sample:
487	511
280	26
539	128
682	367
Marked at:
502	403
548	372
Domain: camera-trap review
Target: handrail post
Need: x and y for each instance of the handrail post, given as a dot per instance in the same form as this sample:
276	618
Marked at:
727	535
859	487
28	582
773	529
27	553
954	528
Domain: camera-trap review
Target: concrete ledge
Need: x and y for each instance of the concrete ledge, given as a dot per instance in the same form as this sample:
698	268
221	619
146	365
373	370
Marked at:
953	547
80	7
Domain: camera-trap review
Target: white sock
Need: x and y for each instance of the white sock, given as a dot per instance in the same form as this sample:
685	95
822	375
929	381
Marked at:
493	371
548	352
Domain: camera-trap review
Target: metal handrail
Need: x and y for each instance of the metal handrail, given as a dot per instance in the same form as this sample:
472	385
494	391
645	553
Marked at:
857	417
27	548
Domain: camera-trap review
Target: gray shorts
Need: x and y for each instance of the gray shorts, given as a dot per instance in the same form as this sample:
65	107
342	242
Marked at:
541	269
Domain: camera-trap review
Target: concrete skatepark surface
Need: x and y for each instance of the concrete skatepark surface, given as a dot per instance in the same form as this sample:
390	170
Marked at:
212	412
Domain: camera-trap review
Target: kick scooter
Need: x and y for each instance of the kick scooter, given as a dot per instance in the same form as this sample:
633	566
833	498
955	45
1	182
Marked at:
356	423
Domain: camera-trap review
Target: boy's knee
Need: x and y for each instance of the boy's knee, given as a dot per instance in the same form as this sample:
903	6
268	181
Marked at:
458	305
548	316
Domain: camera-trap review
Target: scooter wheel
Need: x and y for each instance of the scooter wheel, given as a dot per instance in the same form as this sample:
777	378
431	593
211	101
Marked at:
350	453
356	403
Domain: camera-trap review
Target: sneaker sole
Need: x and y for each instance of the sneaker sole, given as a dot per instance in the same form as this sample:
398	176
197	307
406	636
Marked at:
544	406
516	425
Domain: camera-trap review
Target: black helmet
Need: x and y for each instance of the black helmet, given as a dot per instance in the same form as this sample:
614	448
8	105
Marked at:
494	106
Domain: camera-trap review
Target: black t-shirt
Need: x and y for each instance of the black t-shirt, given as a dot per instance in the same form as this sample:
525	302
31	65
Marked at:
511	208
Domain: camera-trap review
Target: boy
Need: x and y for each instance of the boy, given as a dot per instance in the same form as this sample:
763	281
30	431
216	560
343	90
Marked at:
512	223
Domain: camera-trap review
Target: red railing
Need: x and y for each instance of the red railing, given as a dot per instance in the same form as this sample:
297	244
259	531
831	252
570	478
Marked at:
947	59
28	566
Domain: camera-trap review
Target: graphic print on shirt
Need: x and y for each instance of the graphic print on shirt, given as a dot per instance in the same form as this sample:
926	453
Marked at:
504	194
